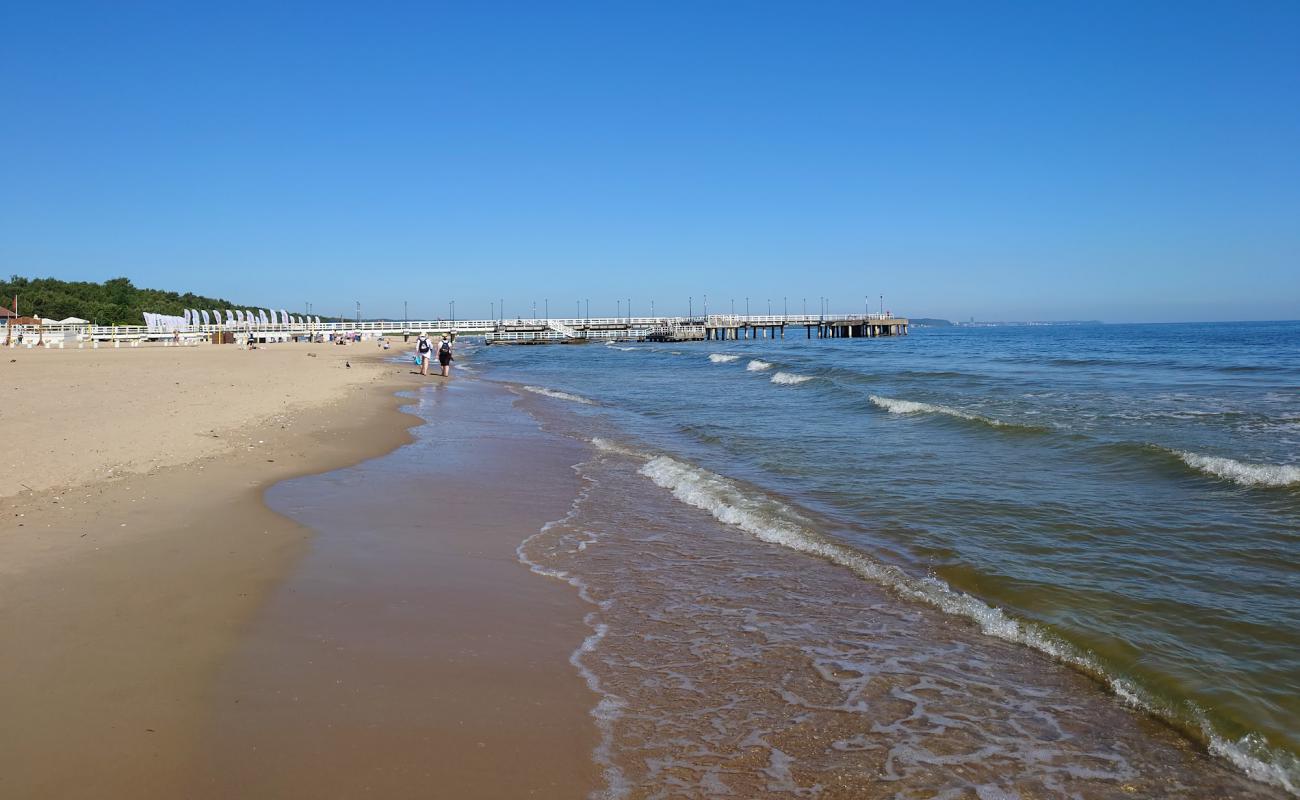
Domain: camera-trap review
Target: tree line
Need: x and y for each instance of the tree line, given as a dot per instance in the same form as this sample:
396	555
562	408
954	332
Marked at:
113	302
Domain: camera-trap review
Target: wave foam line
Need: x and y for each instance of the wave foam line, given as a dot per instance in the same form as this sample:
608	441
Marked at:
610	706
771	521
558	395
757	366
912	407
790	379
1272	476
722	358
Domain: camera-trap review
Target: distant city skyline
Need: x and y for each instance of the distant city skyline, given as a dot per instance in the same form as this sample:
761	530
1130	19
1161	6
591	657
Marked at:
1121	162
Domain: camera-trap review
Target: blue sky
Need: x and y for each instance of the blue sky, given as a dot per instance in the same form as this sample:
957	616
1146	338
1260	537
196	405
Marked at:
1112	160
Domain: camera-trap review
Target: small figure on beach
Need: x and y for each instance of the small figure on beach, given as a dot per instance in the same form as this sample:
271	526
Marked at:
425	351
444	356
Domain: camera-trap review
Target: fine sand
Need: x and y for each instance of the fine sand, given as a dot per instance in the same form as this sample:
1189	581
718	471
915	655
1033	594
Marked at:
136	552
72	417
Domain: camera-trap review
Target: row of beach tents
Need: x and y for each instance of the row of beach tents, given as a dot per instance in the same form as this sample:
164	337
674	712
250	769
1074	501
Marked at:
236	317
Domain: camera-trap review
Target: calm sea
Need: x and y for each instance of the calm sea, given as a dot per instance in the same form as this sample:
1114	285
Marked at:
1122	498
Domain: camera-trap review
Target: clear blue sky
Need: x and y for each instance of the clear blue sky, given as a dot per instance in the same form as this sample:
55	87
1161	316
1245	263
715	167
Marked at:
1114	160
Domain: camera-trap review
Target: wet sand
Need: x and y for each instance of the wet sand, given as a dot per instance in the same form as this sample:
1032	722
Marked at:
410	653
123	600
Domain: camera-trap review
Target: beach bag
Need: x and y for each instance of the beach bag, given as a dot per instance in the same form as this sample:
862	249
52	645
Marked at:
416	359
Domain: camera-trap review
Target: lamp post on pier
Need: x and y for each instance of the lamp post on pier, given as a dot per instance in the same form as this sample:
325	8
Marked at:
547	302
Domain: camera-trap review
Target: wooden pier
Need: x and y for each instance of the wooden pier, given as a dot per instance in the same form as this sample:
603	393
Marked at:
714	327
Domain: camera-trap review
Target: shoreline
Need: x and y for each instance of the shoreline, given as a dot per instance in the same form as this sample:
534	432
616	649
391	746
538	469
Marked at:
410	651
119	598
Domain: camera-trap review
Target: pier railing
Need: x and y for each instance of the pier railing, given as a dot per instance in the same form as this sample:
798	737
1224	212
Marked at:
500	329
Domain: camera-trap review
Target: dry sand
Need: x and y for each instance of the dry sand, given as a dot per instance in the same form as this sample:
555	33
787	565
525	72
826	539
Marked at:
76	416
135	549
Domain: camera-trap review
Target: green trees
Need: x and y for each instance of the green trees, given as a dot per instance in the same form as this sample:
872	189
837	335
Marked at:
113	302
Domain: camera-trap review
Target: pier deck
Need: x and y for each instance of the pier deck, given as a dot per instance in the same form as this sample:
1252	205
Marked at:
714	327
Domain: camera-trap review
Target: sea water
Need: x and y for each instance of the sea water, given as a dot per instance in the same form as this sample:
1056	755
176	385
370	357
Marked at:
967	562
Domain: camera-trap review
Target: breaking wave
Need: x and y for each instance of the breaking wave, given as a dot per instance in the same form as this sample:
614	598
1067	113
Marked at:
895	406
1272	476
789	378
772	521
722	358
757	366
558	395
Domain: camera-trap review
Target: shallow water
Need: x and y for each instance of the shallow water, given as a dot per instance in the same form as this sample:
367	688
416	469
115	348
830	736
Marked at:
1123	498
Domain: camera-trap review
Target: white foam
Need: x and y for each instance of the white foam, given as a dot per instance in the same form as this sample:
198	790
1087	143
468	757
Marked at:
789	378
610	706
757	366
558	395
1268	767
913	407
772	521
722	358
1241	472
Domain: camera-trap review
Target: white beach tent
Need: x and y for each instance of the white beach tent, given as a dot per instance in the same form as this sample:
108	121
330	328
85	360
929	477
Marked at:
73	321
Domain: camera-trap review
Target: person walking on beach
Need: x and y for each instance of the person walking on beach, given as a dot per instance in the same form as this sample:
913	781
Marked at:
445	357
425	351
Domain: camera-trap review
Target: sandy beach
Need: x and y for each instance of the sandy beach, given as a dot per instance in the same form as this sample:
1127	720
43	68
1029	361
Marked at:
137	552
